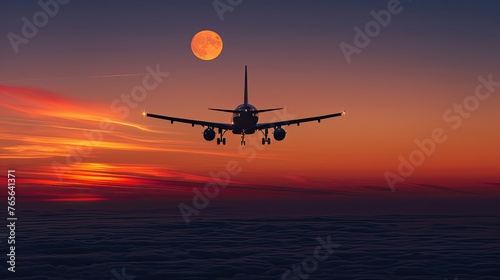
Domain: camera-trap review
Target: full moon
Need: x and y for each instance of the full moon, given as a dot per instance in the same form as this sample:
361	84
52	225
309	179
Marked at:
206	45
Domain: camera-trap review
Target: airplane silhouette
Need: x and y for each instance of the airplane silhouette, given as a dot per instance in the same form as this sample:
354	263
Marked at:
244	121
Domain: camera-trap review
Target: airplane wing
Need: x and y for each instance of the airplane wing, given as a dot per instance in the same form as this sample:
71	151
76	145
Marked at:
192	122
298	121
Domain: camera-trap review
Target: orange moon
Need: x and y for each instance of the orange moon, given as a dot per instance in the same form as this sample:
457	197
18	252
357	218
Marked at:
206	45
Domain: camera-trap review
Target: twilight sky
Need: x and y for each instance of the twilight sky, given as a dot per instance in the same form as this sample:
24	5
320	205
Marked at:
411	79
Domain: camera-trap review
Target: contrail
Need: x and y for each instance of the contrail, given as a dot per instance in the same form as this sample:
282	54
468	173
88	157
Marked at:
75	77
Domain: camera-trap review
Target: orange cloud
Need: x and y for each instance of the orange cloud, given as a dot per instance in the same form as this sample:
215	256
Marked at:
41	124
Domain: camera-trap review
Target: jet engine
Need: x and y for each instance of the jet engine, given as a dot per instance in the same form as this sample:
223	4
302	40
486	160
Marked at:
279	134
209	134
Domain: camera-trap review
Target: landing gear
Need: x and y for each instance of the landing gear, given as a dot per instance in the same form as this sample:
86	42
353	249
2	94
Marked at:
221	138
243	138
265	139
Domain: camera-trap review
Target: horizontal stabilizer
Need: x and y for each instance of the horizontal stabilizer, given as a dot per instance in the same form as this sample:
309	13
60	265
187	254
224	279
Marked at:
235	111
269	110
223	110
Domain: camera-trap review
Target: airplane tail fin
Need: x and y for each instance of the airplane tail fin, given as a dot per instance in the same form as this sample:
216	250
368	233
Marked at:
245	99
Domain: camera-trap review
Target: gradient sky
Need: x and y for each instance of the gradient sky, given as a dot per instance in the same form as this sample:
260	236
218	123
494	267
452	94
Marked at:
395	91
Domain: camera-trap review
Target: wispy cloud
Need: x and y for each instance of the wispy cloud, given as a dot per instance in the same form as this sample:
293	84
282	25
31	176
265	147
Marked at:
40	124
106	181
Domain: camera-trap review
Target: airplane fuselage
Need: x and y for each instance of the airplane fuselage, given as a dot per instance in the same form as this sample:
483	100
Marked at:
245	120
